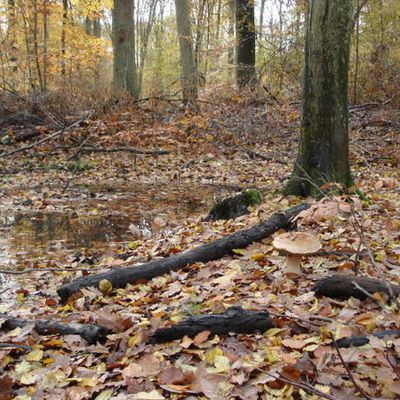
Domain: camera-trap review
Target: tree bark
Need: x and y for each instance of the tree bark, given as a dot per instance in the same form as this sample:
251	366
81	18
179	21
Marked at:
245	43
234	319
123	31
344	287
323	154
207	252
188	64
92	333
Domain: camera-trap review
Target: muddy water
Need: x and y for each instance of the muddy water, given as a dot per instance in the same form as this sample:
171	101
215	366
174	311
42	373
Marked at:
98	219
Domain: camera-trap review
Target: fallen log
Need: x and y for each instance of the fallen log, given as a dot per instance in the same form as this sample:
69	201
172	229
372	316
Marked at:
234	319
344	287
92	333
207	252
357	341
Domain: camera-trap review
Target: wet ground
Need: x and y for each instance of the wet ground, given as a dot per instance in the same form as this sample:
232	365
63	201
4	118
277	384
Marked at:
96	219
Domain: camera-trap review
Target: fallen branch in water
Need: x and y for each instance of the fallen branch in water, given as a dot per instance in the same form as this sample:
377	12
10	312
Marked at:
207	252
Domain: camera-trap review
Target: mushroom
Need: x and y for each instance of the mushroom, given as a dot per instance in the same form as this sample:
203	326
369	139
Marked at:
296	245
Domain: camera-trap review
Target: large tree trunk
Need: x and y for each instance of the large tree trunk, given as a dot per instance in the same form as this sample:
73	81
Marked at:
324	146
125	76
188	65
245	43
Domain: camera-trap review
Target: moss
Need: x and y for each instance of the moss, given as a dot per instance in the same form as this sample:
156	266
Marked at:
253	197
233	207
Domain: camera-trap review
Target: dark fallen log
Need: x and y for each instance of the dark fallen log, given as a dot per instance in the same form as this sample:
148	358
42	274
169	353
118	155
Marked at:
362	340
207	252
234	206
344	287
92	333
234	319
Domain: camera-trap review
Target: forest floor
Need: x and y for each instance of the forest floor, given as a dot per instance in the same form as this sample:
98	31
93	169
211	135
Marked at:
221	148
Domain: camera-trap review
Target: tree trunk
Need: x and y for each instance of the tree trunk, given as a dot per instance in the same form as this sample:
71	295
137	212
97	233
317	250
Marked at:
125	76
188	65
63	37
324	145
245	43
261	23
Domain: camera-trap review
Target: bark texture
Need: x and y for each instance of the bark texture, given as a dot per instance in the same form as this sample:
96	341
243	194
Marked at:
188	65
234	319
92	333
324	146
124	69
245	43
343	287
207	252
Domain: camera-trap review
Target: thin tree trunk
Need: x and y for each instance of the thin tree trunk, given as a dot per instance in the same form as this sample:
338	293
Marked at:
11	34
324	145
63	37
245	43
262	10
188	65
45	43
231	32
35	31
125	76
357	60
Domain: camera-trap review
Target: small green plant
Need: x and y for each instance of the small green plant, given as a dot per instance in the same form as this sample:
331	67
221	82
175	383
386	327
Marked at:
78	166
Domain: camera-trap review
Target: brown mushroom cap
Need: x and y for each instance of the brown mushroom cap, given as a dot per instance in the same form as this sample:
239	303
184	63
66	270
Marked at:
299	243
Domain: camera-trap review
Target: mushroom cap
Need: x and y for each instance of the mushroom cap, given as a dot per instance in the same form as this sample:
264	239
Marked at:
298	243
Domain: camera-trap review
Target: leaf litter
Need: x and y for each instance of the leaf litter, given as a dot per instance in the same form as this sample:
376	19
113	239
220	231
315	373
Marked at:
358	233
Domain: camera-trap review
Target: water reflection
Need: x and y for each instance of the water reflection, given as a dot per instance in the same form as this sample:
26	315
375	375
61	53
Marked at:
99	221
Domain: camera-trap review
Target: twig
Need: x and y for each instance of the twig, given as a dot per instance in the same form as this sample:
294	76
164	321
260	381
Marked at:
46	139
15	346
368	294
129	149
296	318
356	385
29	270
302	385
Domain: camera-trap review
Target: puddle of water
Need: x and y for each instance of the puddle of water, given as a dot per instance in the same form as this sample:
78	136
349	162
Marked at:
101	220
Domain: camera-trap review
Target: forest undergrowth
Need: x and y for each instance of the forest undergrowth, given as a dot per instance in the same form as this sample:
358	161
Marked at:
233	145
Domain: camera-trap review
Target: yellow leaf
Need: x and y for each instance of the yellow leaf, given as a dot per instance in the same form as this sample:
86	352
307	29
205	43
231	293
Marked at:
212	354
133	245
257	256
221	364
35	355
271	356
105	286
28	379
153	395
240	252
272	332
105	394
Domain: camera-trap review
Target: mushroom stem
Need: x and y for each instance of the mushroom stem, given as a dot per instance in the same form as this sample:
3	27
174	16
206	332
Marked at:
293	262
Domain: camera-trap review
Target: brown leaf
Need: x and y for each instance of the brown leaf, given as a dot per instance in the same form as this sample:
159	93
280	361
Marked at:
172	375
201	337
